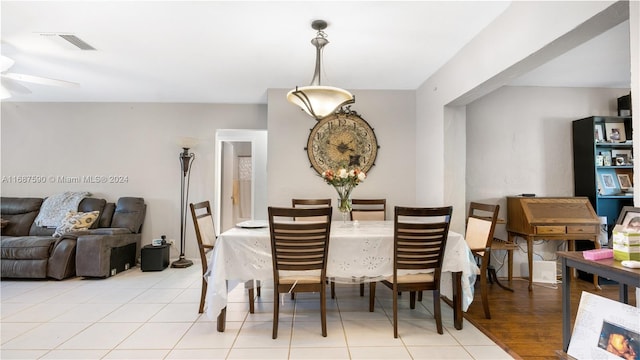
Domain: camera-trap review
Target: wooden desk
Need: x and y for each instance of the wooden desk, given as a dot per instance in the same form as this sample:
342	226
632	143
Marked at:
608	268
551	218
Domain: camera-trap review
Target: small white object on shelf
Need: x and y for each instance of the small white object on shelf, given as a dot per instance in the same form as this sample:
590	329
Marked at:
634	264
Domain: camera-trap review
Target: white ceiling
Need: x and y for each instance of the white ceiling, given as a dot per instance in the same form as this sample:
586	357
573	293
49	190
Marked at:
233	51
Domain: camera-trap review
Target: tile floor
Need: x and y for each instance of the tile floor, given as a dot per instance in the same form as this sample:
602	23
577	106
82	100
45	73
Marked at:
153	315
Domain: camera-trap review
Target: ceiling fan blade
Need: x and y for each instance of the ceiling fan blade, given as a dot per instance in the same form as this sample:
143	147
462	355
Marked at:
13	87
39	80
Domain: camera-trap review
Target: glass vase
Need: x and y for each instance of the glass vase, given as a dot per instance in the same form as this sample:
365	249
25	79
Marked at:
344	205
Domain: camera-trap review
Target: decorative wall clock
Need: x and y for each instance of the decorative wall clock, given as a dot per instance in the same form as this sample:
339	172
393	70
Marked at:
343	139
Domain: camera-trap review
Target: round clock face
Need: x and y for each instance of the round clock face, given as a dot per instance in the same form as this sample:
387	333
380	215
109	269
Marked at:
343	139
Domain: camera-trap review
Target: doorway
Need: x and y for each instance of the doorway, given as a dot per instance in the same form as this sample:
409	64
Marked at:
241	177
237	174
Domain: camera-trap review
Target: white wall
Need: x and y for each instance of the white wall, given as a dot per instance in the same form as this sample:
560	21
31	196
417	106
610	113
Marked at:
139	141
519	141
392	116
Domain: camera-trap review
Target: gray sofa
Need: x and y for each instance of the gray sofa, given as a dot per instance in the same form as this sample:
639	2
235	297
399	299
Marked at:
109	246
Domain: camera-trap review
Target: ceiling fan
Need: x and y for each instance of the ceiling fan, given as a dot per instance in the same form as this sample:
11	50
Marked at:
10	82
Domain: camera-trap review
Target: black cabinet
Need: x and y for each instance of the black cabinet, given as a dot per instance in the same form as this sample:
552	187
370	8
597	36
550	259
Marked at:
603	163
154	258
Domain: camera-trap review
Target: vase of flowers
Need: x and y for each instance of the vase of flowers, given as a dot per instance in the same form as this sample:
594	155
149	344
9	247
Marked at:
344	180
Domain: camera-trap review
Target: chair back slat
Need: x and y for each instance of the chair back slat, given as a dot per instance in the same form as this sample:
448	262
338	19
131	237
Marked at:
311	203
299	245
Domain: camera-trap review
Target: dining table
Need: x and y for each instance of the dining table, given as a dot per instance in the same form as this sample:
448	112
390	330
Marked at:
359	252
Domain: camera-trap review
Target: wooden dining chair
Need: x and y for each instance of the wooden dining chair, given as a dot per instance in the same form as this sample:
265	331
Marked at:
419	239
368	210
481	224
299	252
509	247
206	237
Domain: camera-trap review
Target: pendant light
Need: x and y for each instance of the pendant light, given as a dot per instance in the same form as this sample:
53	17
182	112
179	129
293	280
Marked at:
317	100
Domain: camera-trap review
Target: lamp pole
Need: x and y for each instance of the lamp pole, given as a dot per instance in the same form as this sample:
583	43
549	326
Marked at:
186	159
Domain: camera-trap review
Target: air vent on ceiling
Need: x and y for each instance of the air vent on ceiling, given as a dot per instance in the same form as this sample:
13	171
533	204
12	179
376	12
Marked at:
70	38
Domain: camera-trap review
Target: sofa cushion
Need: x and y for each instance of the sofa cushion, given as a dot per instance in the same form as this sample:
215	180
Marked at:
20	214
107	214
27	247
93	204
129	213
35	269
41	231
109	231
74	221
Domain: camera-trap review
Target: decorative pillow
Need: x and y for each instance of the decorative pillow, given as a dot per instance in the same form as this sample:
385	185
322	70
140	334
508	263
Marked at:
74	221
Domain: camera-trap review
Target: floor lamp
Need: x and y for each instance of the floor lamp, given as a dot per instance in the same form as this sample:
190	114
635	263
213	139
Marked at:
186	159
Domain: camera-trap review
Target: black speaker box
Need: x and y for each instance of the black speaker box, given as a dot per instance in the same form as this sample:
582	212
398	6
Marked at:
155	258
624	105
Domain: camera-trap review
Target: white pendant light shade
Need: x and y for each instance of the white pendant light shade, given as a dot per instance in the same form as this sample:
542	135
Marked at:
319	101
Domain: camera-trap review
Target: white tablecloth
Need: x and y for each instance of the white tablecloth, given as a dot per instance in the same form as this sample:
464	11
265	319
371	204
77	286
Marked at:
362	252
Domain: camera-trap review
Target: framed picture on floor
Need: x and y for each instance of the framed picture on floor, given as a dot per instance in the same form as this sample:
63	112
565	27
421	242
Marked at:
605	329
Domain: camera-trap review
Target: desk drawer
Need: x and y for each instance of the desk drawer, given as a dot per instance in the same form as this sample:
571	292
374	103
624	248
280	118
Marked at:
551	229
582	229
